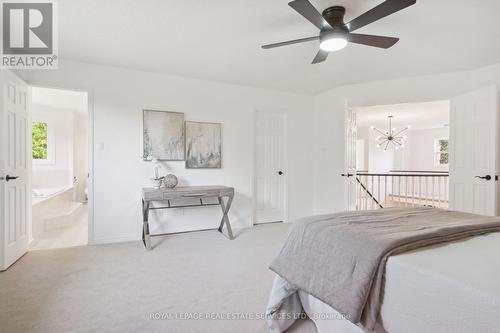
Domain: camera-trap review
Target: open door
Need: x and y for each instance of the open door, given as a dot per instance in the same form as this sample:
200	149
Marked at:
15	168
350	158
473	152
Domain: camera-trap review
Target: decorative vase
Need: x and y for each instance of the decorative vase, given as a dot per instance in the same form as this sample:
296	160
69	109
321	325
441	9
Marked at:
157	182
170	181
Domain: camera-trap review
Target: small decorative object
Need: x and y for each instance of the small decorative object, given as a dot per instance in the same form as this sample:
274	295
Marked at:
157	167
163	135
170	181
157	182
203	145
391	136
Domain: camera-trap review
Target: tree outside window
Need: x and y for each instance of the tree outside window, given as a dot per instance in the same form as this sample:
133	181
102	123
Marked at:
441	152
40	141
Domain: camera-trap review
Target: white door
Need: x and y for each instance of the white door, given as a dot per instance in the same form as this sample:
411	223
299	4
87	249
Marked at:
350	159
270	174
473	152
15	168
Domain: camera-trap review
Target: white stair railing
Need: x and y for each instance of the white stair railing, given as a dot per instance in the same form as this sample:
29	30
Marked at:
402	189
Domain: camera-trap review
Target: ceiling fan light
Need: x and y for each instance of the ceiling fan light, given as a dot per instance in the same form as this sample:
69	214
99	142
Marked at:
333	44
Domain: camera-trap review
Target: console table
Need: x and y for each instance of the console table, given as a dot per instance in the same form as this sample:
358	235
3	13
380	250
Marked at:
166	196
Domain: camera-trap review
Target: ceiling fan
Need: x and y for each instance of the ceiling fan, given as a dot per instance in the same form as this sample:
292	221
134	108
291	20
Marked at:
335	34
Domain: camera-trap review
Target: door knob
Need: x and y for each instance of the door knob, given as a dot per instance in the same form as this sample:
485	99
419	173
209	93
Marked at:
280	173
7	178
487	177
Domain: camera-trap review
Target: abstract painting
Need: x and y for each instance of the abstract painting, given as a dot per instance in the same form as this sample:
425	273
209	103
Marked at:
163	133
203	145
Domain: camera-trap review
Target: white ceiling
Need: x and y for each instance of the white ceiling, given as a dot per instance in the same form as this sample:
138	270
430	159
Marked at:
220	40
61	99
417	115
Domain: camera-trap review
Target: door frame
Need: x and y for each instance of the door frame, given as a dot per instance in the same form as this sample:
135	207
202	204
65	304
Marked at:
90	146
350	184
285	165
385	102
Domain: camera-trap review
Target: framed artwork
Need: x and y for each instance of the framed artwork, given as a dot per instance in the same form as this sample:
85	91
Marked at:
203	145
163	135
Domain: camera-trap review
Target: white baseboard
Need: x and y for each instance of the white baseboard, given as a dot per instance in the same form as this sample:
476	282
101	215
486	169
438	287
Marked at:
136	238
117	239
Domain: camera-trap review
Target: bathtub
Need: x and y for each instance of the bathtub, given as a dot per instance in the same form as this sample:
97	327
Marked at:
49	203
42	194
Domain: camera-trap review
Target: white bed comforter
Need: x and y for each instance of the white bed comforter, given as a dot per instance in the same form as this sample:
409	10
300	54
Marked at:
452	288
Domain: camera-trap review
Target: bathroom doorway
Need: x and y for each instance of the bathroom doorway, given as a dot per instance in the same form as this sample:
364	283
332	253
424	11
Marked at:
60	151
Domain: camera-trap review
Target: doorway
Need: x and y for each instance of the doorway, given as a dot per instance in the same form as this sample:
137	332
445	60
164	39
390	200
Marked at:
402	155
270	173
465	171
60	165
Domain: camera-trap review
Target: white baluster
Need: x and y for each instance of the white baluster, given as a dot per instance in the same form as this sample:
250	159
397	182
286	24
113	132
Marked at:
374	193
420	191
378	191
433	193
407	190
399	191
413	191
439	192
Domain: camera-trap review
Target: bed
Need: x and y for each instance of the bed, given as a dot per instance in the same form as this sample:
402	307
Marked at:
449	286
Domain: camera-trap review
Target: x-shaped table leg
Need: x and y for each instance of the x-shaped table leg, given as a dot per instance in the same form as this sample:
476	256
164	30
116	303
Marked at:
146	238
225	219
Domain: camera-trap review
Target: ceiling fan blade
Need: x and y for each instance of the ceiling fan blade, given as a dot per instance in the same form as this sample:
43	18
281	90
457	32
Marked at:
290	42
320	56
384	9
371	40
306	9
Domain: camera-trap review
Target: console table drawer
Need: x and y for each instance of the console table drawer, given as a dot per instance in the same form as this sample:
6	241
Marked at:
183	192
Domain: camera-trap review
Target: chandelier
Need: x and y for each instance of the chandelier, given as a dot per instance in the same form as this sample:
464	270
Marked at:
391	137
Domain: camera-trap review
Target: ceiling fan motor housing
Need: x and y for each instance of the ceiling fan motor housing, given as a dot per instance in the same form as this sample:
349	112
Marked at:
335	17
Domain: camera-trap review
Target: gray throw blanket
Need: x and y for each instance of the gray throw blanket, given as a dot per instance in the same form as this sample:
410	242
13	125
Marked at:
340	258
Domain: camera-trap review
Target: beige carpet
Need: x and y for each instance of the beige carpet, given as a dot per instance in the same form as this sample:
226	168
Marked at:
117	288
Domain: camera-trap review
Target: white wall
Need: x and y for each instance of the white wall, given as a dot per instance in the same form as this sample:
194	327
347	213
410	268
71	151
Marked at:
363	157
119	95
379	160
420	149
80	158
417	155
330	119
400	158
59	171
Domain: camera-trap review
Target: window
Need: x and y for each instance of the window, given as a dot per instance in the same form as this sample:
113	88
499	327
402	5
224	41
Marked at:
441	152
42	142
